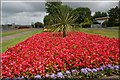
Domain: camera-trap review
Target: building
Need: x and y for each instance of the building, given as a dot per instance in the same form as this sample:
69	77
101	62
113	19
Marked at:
98	22
101	19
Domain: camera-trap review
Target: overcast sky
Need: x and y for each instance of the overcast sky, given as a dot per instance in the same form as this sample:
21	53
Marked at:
28	11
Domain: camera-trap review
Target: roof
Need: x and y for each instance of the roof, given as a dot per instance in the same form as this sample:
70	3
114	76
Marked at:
102	18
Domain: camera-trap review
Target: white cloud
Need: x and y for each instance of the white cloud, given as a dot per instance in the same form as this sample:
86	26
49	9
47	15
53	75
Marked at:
24	18
22	12
16	7
94	6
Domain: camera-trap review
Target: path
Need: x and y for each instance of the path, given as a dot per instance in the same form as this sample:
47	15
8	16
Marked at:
6	38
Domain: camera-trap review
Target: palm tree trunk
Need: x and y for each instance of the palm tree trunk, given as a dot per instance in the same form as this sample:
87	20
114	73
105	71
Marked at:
64	32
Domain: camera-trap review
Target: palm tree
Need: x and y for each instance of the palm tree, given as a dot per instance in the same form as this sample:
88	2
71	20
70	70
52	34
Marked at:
63	19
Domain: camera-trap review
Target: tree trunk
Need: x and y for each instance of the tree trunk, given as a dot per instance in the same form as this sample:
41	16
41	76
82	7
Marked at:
64	32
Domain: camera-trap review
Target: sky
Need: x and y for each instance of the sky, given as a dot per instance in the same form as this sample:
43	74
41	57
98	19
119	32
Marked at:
25	12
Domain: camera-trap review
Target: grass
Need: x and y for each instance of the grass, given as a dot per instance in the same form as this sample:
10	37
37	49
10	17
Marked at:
102	32
14	41
13	32
114	27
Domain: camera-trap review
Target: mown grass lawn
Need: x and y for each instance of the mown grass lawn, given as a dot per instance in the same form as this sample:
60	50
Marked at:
114	27
103	32
12	42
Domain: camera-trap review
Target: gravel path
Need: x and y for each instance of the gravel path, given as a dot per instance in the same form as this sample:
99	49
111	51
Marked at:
6	38
13	36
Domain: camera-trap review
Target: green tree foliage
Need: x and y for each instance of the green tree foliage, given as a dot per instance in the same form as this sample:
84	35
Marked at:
38	25
86	23
84	19
114	17
83	13
52	6
32	25
47	20
100	14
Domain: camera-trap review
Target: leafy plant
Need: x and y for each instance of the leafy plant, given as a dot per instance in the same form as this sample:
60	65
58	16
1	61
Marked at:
64	20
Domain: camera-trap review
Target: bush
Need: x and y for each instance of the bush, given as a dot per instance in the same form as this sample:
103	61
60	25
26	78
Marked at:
117	24
87	23
111	23
104	24
39	25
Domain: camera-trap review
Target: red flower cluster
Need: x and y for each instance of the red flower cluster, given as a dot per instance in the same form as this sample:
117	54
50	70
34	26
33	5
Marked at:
44	53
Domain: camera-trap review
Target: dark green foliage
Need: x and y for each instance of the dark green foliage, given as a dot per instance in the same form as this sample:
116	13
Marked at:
47	20
100	14
32	25
52	6
114	17
86	23
105	24
38	25
83	12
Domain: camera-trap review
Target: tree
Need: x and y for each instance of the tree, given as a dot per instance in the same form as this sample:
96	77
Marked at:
86	22
64	19
100	14
61	18
84	19
103	14
52	6
114	16
38	25
32	24
83	13
47	20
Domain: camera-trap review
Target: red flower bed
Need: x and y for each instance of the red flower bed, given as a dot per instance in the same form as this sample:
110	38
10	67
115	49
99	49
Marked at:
44	53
